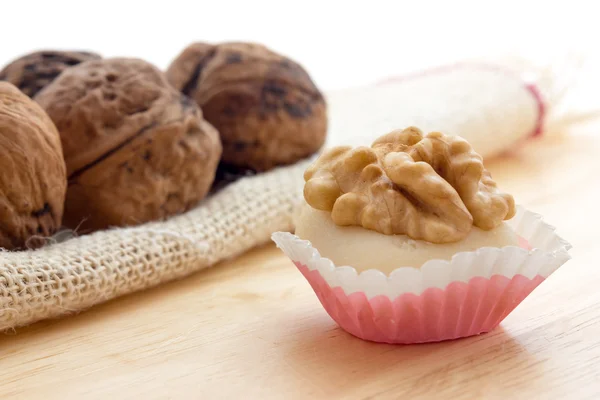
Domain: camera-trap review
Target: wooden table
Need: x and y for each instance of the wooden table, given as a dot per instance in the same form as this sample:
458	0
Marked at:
253	328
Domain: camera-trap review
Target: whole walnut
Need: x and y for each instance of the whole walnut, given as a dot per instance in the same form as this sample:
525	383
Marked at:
136	149
34	71
33	177
265	106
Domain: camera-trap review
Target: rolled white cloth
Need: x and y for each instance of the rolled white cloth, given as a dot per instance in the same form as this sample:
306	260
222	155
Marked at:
489	106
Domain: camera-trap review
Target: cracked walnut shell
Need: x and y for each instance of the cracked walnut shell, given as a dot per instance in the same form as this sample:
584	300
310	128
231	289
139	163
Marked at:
33	178
432	188
265	106
136	149
33	72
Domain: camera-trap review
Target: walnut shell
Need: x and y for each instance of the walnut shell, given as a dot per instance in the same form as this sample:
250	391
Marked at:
432	187
265	106
33	72
136	149
33	178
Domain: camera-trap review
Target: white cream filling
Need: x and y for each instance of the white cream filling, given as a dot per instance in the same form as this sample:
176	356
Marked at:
364	249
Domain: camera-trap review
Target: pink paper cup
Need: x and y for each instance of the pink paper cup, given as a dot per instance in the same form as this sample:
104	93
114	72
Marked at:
442	300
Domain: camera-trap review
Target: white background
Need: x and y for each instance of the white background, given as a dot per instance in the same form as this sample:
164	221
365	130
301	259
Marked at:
341	43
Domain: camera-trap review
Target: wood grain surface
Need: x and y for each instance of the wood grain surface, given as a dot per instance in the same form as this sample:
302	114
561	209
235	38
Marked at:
253	329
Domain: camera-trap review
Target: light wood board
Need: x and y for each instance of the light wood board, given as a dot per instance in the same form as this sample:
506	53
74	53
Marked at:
253	329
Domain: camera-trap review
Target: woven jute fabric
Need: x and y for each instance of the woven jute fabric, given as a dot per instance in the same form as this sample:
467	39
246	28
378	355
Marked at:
82	271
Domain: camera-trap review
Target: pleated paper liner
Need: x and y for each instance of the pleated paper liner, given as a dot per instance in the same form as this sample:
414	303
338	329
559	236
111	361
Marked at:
468	295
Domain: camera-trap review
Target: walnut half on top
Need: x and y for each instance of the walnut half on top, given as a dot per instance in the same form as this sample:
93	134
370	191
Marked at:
432	187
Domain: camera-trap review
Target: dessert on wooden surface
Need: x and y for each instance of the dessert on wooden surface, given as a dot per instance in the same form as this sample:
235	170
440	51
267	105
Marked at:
411	240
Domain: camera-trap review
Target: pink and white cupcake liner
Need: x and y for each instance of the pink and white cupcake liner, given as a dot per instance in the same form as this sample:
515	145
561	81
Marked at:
468	295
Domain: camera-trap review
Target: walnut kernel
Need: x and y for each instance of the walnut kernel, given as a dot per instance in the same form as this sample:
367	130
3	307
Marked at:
432	188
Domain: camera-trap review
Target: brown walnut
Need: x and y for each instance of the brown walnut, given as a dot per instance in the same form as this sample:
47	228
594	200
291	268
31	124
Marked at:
136	149
265	106
33	72
33	178
432	188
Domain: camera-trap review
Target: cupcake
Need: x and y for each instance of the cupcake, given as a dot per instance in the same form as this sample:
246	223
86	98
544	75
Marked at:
410	240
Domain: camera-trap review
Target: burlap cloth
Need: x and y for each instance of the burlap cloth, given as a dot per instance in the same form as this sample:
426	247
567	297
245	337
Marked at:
83	271
75	274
